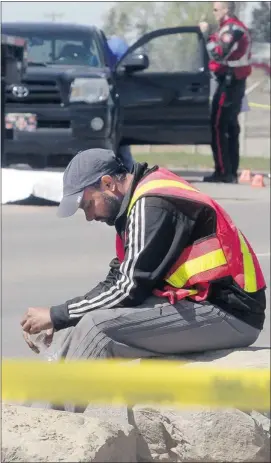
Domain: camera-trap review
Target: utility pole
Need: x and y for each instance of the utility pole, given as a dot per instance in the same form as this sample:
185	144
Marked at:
53	16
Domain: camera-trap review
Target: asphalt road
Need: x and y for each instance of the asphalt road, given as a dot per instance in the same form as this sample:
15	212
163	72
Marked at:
46	260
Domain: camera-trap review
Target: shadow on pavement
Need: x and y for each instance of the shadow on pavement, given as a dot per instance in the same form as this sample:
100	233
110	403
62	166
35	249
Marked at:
33	201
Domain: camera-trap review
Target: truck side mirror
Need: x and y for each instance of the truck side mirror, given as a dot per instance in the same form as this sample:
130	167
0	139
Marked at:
135	62
13	58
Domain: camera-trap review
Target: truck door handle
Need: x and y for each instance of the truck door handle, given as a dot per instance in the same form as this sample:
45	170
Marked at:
194	87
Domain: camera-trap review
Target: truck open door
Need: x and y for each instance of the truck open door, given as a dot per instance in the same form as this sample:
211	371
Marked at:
163	84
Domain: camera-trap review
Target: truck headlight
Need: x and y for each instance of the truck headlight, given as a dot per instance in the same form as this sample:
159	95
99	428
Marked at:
89	90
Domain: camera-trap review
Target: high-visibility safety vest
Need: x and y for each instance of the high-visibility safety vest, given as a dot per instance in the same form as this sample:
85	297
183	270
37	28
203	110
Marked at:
226	253
240	57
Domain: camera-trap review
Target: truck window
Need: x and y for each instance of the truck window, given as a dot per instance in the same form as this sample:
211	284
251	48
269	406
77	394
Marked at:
73	50
179	52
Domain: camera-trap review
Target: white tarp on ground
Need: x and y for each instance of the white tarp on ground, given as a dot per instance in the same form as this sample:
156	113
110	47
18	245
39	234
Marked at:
20	184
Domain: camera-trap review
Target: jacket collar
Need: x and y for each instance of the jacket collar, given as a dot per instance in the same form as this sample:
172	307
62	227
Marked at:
140	171
225	21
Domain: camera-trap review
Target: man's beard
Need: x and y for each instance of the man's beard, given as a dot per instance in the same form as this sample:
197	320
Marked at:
113	205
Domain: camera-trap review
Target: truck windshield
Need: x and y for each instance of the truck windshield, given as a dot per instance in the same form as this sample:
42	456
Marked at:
73	50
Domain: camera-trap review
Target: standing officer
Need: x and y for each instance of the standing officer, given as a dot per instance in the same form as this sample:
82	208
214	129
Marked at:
230	52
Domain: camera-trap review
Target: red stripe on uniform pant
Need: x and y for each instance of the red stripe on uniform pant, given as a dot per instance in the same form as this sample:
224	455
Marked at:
218	141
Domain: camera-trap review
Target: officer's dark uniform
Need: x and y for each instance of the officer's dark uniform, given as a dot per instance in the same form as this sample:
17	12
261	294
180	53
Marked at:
230	52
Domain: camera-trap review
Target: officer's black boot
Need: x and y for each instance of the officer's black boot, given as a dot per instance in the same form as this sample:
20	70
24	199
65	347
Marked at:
228	179
215	177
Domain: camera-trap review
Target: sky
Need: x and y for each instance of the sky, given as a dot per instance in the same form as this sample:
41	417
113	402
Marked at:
89	13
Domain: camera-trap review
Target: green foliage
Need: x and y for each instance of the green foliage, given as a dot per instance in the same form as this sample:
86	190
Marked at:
128	19
261	22
131	20
136	18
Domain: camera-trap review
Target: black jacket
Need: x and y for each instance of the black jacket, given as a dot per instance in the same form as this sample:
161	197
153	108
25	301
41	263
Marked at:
156	233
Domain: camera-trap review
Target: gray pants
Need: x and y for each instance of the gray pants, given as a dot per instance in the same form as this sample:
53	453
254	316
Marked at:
154	329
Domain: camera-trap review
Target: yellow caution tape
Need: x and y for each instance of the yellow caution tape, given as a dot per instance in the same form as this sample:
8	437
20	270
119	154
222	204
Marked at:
148	382
259	105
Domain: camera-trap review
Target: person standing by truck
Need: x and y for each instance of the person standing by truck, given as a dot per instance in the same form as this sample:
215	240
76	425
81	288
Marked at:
118	47
229	50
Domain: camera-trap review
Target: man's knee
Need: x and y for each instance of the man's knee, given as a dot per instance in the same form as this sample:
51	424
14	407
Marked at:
98	318
85	325
88	339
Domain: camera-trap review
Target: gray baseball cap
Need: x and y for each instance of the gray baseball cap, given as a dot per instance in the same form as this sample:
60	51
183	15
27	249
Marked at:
84	170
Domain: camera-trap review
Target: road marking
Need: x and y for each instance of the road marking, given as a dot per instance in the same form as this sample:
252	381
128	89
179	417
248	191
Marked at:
259	105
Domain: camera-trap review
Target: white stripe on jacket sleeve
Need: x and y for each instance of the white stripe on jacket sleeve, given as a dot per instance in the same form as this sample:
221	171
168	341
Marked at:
122	288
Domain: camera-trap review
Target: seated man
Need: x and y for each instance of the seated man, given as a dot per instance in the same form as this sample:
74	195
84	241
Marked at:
185	279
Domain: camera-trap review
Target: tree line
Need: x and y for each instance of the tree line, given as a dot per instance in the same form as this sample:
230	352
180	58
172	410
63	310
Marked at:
130	20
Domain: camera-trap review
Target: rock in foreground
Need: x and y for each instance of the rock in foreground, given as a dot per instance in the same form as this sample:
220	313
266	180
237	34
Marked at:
160	435
34	435
202	436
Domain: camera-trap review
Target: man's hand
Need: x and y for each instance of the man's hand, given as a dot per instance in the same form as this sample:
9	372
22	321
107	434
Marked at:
36	320
204	26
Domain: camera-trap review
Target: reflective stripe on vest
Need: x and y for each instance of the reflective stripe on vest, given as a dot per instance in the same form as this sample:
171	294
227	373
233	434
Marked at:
196	264
154	184
244	60
205	261
250	280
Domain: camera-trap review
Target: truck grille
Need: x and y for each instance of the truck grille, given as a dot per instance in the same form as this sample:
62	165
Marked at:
53	124
40	92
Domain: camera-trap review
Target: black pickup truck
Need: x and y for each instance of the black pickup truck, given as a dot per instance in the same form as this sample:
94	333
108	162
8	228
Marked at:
74	96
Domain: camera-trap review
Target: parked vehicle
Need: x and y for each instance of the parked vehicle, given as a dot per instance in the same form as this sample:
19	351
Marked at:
13	66
72	98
